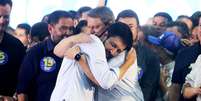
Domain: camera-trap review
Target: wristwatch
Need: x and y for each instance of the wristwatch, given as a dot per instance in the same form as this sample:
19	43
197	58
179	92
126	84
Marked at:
78	56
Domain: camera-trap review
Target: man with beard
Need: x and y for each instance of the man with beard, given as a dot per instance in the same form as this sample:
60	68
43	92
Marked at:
12	52
147	59
40	67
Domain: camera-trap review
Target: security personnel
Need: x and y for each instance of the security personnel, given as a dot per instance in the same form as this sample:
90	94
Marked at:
40	67
12	52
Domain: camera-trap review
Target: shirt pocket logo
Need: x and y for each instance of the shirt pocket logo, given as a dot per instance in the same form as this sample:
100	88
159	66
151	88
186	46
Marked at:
3	58
48	64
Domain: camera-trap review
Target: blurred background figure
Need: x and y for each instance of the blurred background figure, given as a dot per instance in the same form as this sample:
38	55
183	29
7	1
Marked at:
39	32
187	20
82	27
82	12
195	30
22	32
161	19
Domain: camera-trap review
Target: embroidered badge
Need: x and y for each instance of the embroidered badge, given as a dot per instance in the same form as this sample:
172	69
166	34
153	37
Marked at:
48	64
3	58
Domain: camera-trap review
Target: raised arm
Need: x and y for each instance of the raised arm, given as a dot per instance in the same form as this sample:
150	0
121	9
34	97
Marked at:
71	52
110	75
130	59
86	69
189	92
69	42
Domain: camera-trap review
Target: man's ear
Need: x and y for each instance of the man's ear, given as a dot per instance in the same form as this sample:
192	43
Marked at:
199	37
50	28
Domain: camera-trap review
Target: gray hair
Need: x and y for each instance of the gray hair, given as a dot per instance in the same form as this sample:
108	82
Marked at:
104	13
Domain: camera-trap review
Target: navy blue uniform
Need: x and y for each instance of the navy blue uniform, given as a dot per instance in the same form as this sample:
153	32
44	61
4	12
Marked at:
12	52
39	71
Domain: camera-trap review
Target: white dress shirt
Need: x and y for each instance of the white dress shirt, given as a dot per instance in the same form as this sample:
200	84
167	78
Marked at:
126	89
194	77
73	85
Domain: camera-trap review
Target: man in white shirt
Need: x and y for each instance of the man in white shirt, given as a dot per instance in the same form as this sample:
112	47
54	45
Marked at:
72	84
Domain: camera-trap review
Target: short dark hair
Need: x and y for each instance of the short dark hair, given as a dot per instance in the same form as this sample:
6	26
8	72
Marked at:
73	13
80	25
104	13
195	18
4	2
128	13
56	15
123	31
83	10
181	27
39	30
165	15
45	18
151	30
183	16
25	26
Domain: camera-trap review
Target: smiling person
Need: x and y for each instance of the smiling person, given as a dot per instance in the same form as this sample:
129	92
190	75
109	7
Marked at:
38	73
12	52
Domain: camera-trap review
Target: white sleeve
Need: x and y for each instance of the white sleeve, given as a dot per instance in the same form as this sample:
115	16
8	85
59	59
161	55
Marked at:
99	67
191	77
105	76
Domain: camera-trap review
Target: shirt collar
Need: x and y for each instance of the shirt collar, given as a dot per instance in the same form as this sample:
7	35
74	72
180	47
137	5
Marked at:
50	44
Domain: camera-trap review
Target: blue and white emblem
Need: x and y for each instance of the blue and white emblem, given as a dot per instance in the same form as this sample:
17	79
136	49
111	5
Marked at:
3	58
48	64
140	73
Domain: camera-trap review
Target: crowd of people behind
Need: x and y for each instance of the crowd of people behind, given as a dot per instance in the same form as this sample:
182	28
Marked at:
89	55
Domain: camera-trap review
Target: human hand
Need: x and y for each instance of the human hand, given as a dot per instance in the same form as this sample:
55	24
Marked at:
7	98
131	56
196	91
130	59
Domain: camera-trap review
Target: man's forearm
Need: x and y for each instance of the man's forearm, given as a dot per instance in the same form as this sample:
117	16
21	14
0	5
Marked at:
62	47
87	71
130	59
